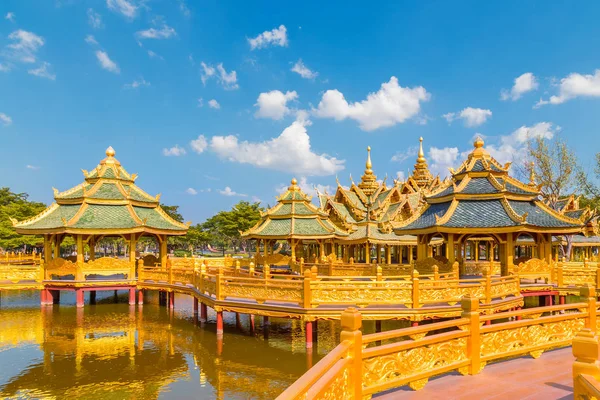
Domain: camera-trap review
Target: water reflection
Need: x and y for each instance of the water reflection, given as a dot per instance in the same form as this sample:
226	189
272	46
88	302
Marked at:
126	352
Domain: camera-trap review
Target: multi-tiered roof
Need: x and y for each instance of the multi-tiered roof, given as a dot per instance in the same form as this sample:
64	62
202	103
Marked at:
107	202
294	217
481	197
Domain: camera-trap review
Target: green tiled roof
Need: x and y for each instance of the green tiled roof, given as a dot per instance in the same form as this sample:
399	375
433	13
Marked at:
276	227
55	218
108	191
309	227
302	209
371	232
154	219
355	199
343	211
284	209
105	217
537	216
479	186
575	213
134	193
480	214
427	219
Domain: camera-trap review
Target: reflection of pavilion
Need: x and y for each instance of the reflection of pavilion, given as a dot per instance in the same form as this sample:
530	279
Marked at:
132	355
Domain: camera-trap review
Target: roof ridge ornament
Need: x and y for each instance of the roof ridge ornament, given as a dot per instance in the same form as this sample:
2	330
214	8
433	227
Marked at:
368	183
532	174
421	175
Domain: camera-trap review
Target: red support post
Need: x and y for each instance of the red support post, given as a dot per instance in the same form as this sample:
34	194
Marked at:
219	323
415	323
132	296
488	322
549	300
238	323
79	297
172	300
309	334
141	297
219	345
518	316
195	308
44	297
562	299
252	323
203	312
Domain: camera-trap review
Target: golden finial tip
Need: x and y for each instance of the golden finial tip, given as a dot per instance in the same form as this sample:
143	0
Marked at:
421	139
478	142
368	148
110	152
294	181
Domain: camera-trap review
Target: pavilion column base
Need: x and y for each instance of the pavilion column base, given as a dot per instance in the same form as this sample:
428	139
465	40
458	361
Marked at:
203	313
79	297
171	300
132	297
141	297
220	323
195	309
309	334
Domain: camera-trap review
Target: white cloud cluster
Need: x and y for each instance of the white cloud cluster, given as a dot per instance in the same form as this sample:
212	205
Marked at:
523	84
575	85
174	151
5	119
307	187
199	145
90	39
191	191
289	152
401	156
471	117
94	19
32	167
442	159
303	70
25	46
10	16
391	105
275	37
152	54
137	83
107	63
273	104
228	192
43	71
214	104
123	7
164	32
227	79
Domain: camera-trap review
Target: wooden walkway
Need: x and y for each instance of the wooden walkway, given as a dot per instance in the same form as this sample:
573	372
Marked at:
549	377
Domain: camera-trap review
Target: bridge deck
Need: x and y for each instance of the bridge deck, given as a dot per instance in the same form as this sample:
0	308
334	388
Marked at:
548	377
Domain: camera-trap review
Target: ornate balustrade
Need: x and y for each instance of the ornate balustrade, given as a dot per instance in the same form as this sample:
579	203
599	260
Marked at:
365	365
472	267
336	268
586	368
105	266
20	258
20	273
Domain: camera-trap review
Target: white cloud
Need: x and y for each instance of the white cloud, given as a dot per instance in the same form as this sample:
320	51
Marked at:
199	145
289	152
175	151
401	156
303	70
227	80
164	32
391	105
191	191
184	8
275	37
123	7
228	192
137	83
442	159
514	146
273	104
33	167
200	102
90	39
575	85
214	104
154	55
4	68
10	16
307	187
5	119
42	71
256	199
25	46
401	176
106	62
471	117
94	19
523	84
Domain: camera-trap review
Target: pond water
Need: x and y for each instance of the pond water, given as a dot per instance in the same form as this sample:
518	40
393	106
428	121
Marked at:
116	351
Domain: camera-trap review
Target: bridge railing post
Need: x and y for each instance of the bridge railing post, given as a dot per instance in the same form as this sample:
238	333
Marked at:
585	350
379	273
470	310
218	280
237	268
251	269
306	289
330	268
415	289
488	284
598	277
42	270
587	293
140	270
170	270
351	323
436	273
455	270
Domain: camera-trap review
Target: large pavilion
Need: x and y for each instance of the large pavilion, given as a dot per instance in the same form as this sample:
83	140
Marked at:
482	201
106	204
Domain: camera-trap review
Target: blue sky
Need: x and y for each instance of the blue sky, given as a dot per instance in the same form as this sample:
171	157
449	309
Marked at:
213	102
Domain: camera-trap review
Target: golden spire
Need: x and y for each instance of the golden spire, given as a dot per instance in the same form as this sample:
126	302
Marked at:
110	157
532	174
479	151
421	173
294	185
368	183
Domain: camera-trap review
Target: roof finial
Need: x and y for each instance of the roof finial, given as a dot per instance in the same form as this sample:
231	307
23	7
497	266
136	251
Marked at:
421	155
478	142
368	182
294	184
369	165
110	152
532	174
421	173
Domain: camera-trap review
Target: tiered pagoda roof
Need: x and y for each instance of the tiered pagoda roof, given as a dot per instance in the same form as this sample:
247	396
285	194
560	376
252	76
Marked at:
294	217
107	202
481	197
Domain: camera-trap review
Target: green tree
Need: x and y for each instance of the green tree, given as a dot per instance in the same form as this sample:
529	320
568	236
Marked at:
224	228
17	206
173	212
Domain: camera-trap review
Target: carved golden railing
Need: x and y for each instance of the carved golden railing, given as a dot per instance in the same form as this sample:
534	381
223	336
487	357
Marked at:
586	368
471	267
535	269
20	273
352	269
105	266
19	258
411	356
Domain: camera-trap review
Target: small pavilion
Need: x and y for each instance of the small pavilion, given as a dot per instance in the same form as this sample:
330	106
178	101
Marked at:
481	200
107	204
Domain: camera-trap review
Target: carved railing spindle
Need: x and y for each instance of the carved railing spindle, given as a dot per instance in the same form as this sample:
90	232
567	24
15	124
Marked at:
379	273
559	275
237	268
42	270
351	321
307	292
330	268
455	270
470	310
251	269
488	285
218	281
314	272
588	295
170	270
415	289
436	273
140	269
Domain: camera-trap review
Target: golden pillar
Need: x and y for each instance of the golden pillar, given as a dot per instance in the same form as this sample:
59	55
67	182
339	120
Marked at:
163	251
450	255
509	252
